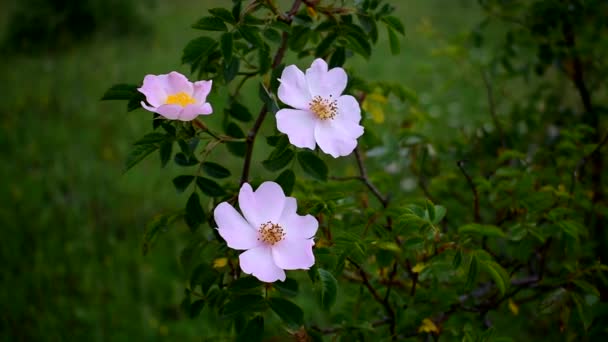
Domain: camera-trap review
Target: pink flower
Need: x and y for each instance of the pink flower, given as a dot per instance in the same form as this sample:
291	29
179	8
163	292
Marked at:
176	98
322	115
275	238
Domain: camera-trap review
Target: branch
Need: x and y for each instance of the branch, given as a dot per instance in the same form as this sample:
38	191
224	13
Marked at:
278	57
473	189
367	182
492	107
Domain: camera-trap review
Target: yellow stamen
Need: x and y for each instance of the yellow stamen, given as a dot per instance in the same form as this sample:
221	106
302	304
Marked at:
323	108
271	233
181	99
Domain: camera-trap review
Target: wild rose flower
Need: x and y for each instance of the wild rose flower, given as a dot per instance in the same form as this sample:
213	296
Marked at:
321	114
275	238
174	97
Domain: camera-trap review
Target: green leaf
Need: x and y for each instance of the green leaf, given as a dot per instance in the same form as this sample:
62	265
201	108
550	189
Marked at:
226	45
236	148
272	35
457	259
298	38
245	285
244	305
210	24
138	154
204	276
182	182
250	33
223	14
286	180
394	23
553	301
278	161
209	187
264	60
152	138
337	58
587	287
215	170
473	272
440	212
166	150
239	112
254	330
289	312
195	308
359	46
325	45
483	230
268	99
231	69
329	288
313	165
197	49
120	92
584	316
289	287
393	42
158	224
195	215
498	275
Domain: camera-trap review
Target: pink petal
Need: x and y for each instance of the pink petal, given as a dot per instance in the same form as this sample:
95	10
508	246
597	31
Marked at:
293	254
348	109
170	111
233	228
293	89
296	226
337	138
154	89
178	83
191	111
323	82
259	262
263	205
299	125
150	108
201	91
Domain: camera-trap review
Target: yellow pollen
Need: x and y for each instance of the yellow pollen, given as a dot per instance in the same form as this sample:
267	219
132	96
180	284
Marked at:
271	233
181	99
323	108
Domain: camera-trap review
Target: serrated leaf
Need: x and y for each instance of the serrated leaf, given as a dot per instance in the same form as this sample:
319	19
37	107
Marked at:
286	180
289	312
313	165
195	215
209	187
394	23
329	288
215	170
138	154
210	24
182	182
226	45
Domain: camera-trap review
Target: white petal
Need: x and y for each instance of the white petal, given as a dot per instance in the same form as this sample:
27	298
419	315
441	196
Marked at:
293	89
233	228
323	82
348	109
293	254
337	138
259	262
154	88
170	111
294	225
178	83
191	111
202	90
263	205
299	125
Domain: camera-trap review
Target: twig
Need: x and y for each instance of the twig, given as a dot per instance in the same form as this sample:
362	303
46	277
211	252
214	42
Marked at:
581	163
473	189
367	182
391	276
333	330
492	108
278	57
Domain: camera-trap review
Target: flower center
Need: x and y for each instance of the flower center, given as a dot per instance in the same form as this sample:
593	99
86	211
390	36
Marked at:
324	108
181	99
271	233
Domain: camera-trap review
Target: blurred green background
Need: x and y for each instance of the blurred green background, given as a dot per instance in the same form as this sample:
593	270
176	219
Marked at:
72	221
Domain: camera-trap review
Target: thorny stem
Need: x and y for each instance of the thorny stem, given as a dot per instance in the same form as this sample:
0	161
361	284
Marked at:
278	57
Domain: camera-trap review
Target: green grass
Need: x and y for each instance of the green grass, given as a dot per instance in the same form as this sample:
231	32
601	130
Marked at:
73	222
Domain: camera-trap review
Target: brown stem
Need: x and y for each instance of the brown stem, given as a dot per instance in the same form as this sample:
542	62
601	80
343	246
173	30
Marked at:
473	189
366	181
278	57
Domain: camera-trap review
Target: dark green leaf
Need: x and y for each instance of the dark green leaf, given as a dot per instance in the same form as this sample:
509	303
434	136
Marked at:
182	160
264	59
359	45
166	149
231	69
239	112
158	224
244	305
457	259
138	154
268	99
209	187
245	285
210	24
337	58
394	23
135	101
325	45
272	35
195	308
329	288
195	215
223	14
204	276
226	46
298	38
254	330
289	287
152	138
483	230
393	41
473	272
197	49
236	148
250	33
182	182
279	161
286	180
289	312
120	92
498	274
313	165
215	170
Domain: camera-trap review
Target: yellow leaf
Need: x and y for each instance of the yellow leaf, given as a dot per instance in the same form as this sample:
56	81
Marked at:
374	104
220	262
513	307
428	326
311	12
418	268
